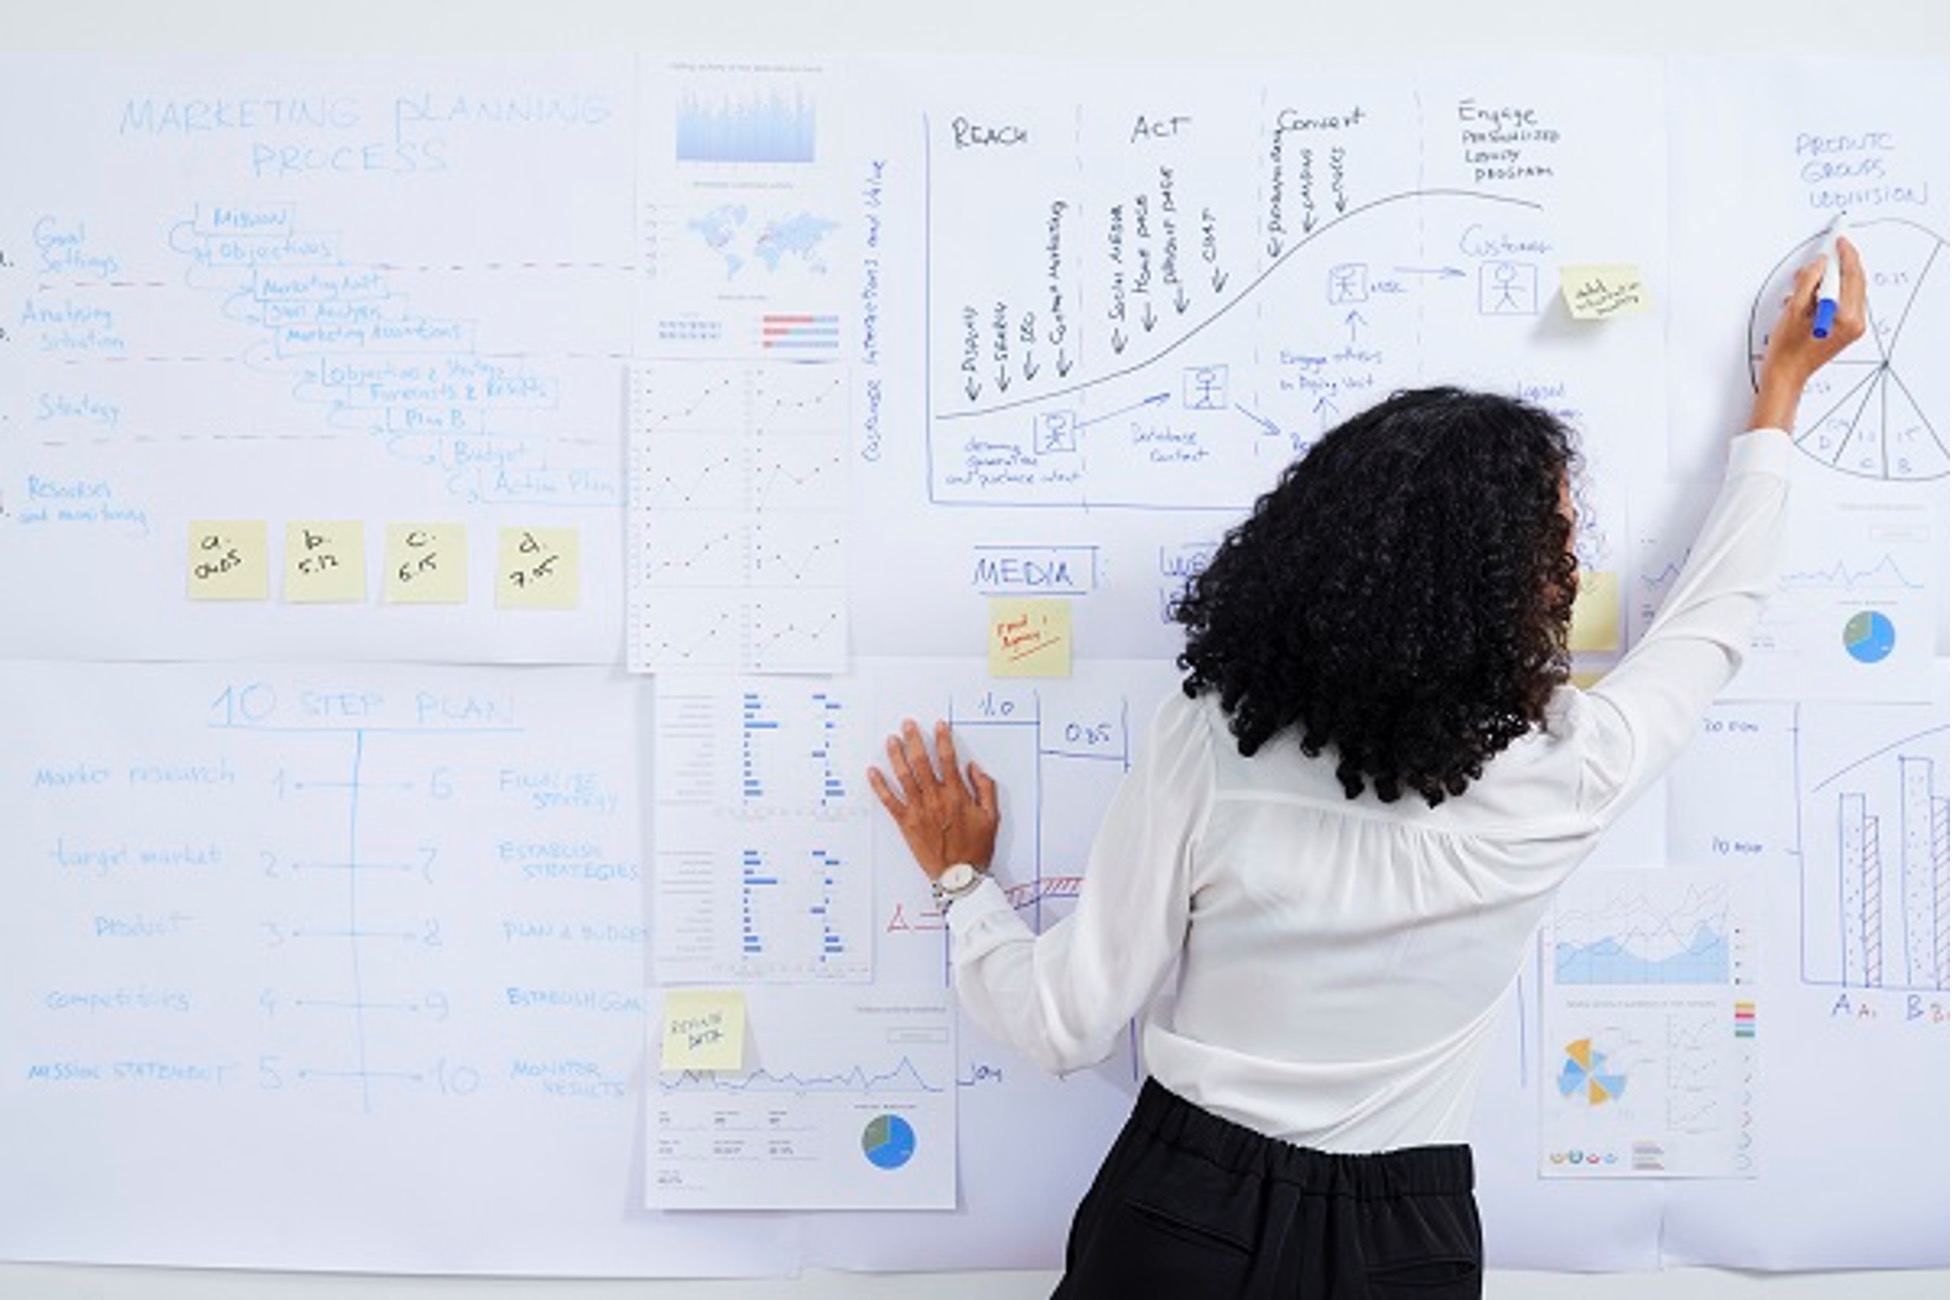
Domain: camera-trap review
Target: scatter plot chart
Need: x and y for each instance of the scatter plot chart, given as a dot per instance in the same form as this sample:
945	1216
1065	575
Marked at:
738	517
847	1100
1880	410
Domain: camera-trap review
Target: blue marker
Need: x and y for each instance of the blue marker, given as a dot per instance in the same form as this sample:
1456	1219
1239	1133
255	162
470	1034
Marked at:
1830	289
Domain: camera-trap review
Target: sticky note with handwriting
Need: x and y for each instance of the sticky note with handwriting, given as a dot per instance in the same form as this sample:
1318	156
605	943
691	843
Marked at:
326	561
427	564
1594	621
702	1029
1601	292
1029	637
229	560
537	568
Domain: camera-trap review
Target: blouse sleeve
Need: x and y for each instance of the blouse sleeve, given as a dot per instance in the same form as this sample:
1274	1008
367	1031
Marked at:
1646	710
1063	997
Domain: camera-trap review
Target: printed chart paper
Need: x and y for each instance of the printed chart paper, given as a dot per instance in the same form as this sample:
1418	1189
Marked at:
762	871
1650	1026
847	1102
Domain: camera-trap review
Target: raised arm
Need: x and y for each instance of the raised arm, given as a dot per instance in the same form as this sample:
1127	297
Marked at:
1646	710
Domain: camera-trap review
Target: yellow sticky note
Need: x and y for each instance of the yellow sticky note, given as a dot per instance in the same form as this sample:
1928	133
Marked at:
702	1029
427	564
537	568
1029	638
326	560
1594	620
1601	292
228	560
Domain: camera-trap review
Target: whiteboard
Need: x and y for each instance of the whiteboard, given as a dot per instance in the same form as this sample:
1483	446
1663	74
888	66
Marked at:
1120	620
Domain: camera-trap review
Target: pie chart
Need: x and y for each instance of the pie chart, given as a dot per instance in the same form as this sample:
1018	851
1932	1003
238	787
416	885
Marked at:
889	1142
1869	637
1584	1073
1878	411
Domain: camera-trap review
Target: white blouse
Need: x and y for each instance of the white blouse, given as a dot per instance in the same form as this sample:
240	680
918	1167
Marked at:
1343	960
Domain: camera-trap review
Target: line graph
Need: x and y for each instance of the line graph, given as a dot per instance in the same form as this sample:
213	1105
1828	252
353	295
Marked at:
847	1099
1856	602
1673	927
1885	574
901	1077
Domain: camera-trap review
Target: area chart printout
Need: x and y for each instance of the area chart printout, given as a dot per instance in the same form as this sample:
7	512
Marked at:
847	1100
1649	1023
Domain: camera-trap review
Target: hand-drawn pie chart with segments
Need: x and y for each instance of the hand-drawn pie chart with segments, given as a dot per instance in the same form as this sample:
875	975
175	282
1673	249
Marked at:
1881	409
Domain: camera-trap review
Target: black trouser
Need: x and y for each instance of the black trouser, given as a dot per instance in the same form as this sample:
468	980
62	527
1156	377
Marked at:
1192	1206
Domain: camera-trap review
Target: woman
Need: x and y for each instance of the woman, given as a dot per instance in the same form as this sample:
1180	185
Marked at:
1346	828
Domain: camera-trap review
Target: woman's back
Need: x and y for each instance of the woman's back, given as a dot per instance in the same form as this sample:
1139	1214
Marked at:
1357	949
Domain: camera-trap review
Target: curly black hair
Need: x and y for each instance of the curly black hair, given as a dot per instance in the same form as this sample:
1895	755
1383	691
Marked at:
1402	596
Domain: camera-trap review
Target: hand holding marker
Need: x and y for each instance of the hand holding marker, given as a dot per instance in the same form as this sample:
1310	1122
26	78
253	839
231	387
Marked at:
1829	292
1823	316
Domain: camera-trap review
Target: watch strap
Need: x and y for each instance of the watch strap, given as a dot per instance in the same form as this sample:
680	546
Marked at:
946	895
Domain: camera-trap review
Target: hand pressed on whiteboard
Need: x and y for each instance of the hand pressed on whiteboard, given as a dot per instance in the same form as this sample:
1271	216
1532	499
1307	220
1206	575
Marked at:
943	819
1794	354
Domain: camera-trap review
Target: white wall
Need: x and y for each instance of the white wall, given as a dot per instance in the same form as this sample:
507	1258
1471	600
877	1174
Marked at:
1214	28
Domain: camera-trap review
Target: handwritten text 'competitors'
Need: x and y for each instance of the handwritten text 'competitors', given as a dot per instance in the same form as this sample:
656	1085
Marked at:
427	564
702	1029
326	561
228	560
1601	292
537	568
1029	638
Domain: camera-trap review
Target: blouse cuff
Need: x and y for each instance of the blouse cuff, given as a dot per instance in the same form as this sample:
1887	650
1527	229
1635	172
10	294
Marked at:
965	914
1760	451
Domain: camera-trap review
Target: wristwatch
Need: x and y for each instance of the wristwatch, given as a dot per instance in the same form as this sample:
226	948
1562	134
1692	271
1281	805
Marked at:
955	882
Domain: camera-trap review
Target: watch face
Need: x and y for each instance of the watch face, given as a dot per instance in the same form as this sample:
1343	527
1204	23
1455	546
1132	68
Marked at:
957	876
